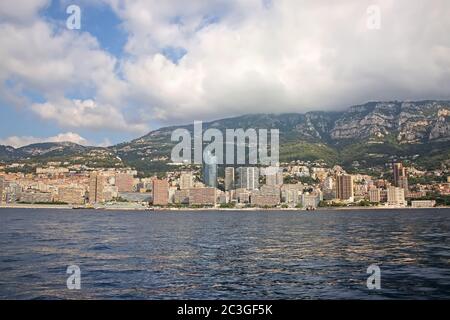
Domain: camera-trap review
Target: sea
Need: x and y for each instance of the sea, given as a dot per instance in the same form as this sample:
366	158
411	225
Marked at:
329	254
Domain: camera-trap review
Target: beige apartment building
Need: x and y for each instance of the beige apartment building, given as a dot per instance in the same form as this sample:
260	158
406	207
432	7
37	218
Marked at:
71	194
202	196
396	197
160	192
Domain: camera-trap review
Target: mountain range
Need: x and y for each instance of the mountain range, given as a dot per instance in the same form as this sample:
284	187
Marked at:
367	135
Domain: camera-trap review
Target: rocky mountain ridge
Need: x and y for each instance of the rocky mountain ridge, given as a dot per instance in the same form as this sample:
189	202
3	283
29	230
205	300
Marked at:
372	132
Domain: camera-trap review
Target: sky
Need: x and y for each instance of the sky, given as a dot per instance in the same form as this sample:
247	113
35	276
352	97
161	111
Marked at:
137	65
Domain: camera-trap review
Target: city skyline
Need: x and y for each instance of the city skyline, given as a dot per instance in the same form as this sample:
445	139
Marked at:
233	156
263	187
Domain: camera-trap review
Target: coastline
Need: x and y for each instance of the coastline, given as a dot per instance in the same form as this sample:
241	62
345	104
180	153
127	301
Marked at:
155	209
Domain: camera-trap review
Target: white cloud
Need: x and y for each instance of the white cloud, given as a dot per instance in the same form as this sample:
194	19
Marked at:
22	11
85	114
56	63
17	142
285	56
242	57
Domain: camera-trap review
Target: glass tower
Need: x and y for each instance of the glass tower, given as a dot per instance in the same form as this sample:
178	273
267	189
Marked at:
210	170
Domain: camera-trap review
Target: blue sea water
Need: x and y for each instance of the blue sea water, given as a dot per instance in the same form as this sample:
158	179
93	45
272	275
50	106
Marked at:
224	255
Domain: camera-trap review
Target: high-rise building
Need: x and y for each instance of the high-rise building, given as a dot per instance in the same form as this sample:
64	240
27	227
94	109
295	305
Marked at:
12	191
344	187
229	178
248	178
71	194
328	183
93	187
210	170
242	195
172	191
109	192
396	196
160	192
398	172
274	176
124	182
311	200
186	180
96	185
181	196
266	196
1	189
374	195
290	193
224	197
403	183
202	196
400	176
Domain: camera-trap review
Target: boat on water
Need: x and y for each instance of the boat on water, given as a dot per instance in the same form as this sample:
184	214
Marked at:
83	207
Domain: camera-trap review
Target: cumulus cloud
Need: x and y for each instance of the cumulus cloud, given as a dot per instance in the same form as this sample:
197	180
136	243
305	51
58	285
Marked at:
16	142
85	114
56	64
22	11
190	60
261	56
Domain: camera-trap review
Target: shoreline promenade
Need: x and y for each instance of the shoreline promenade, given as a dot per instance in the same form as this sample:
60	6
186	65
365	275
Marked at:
137	208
